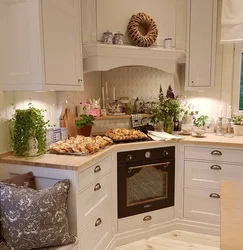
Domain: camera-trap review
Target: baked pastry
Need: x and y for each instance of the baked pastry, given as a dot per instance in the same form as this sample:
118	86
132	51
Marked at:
120	134
81	144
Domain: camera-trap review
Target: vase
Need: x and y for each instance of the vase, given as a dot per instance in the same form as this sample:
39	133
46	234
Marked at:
85	131
168	125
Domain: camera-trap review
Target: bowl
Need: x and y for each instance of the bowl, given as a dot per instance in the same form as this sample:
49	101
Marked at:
199	131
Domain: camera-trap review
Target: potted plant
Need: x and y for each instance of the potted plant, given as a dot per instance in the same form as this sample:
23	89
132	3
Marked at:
85	122
200	124
166	110
237	124
28	132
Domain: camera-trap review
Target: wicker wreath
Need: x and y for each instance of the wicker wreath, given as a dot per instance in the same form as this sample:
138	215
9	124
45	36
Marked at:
148	24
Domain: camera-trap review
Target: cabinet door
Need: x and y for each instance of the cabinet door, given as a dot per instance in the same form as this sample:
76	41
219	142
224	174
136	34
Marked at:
62	42
201	44
22	54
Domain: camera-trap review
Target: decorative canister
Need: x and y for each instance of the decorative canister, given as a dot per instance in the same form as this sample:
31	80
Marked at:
118	38
107	37
168	43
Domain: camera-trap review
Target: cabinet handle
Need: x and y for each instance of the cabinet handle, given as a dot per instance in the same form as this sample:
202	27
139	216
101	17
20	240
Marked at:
79	80
97	187
98	222
214	196
216	152
147	218
216	167
97	169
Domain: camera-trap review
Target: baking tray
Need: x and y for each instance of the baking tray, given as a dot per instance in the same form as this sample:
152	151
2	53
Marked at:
130	140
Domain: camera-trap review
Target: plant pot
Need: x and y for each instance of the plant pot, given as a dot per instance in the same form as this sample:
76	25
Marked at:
85	131
169	125
238	129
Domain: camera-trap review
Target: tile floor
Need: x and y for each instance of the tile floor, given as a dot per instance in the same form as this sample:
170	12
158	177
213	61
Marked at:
175	240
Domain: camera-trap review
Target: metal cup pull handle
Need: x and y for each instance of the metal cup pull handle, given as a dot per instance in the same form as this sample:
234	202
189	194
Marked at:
216	167
216	152
97	187
214	196
147	218
98	222
97	169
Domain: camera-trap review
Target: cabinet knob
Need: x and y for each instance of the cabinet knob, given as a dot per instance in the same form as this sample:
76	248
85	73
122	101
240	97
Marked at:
216	167
97	187
214	196
98	222
129	157
97	169
166	152
216	152
147	218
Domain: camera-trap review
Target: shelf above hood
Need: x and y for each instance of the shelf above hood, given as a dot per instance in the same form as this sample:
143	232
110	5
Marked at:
103	57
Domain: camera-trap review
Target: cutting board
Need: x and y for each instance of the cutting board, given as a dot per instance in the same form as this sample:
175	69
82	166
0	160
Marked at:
68	121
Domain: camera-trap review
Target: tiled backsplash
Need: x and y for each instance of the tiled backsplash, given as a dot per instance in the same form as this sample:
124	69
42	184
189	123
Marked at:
142	82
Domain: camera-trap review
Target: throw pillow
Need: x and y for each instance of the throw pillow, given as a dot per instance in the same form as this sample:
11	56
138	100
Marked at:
27	179
34	219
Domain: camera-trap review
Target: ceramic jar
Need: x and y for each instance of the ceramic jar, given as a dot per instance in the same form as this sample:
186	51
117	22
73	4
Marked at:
118	38
107	37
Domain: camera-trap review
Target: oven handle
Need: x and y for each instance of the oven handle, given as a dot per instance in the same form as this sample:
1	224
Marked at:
166	164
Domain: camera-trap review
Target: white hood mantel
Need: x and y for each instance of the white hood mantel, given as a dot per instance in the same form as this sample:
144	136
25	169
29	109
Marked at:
103	57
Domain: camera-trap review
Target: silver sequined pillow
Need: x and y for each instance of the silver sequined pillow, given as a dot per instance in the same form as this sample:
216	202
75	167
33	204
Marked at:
34	219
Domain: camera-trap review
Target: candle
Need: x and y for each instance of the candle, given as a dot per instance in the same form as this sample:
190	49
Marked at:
114	93
106	88
229	112
221	111
103	93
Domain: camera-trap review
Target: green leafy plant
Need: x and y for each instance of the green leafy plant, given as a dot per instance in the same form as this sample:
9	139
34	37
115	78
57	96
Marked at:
26	124
237	119
85	120
200	121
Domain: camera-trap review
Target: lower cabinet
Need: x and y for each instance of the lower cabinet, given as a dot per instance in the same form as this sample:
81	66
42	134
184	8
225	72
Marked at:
98	234
202	205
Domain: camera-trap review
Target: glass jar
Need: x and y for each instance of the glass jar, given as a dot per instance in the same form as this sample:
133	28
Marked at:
107	37
168	125
118	38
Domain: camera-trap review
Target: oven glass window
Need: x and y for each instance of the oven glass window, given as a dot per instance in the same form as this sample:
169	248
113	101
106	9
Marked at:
149	184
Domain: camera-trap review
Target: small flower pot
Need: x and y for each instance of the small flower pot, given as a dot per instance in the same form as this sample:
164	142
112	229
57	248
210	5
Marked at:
85	131
238	129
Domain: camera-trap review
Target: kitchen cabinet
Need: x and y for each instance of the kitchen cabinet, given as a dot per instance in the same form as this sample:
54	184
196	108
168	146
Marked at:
205	167
42	45
201	44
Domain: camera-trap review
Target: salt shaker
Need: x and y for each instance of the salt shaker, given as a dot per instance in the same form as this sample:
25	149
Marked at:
107	37
118	38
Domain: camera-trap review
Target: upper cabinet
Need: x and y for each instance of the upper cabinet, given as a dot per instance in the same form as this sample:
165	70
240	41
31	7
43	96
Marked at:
201	44
42	45
98	16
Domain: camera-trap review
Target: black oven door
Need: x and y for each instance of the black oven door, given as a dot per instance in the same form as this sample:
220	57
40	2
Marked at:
143	188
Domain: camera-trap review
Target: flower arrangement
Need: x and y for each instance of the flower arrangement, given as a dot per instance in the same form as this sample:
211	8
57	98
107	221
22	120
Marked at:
237	119
166	109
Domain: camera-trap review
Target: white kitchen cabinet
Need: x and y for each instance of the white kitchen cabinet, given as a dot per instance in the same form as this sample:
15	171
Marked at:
205	167
201	44
42	45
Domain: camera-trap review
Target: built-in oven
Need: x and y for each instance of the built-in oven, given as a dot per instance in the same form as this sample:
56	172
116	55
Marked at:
146	180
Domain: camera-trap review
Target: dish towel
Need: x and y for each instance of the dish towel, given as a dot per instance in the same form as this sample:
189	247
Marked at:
232	21
162	136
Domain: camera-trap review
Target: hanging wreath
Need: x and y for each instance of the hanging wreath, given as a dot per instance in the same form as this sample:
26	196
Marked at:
147	23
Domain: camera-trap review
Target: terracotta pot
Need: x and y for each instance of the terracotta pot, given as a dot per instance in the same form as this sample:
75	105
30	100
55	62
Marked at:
85	131
238	129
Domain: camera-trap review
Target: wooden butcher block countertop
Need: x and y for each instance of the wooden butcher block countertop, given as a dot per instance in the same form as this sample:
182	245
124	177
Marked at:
70	162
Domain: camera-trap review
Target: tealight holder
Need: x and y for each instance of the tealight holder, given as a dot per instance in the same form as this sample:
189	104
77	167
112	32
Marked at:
219	126
229	134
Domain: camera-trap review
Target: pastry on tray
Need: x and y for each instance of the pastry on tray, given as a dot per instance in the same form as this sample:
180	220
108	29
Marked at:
123	134
80	144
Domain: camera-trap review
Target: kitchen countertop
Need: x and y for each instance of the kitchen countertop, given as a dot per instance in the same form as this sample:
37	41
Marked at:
70	162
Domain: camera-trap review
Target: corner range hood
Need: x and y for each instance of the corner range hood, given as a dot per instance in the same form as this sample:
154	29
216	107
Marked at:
103	57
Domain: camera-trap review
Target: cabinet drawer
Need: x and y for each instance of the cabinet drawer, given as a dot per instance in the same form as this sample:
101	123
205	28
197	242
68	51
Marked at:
98	234
145	219
199	205
94	198
209	175
93	173
214	154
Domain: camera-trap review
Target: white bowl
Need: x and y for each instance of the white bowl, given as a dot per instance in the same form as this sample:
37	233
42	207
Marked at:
199	131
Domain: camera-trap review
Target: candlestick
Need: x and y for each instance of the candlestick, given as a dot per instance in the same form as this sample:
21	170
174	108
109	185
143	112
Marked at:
219	126
103	97
106	89
229	135
114	93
